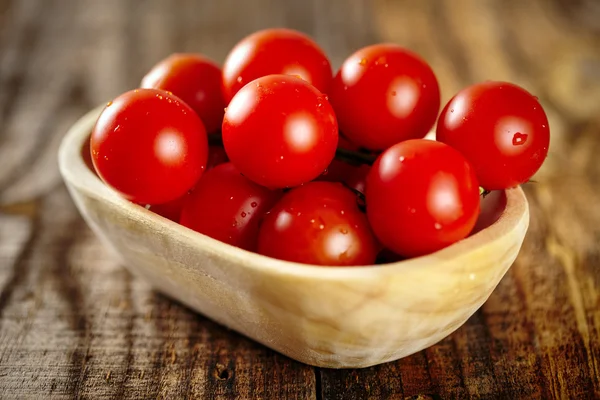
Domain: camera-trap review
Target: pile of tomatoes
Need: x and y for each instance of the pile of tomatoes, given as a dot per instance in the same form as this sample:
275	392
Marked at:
276	154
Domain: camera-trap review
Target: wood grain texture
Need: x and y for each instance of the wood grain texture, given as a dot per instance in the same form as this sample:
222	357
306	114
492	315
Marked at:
74	324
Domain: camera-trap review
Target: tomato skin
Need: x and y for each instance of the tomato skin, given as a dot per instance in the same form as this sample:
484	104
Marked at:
384	94
275	51
149	146
500	128
196	80
228	207
280	131
421	196
318	223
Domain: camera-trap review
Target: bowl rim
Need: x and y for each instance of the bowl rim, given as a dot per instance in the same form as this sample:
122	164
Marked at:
75	172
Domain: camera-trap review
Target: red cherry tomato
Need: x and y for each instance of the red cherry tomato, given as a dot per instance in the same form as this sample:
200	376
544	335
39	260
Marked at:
196	80
149	146
318	223
421	196
384	94
275	51
228	207
280	131
501	129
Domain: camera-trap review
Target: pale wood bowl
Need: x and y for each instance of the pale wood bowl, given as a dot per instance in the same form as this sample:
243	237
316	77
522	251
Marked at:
327	317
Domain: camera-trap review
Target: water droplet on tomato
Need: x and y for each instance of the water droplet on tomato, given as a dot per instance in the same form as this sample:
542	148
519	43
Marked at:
231	198
325	172
543	126
342	212
239	79
243	214
234	223
437	226
312	221
401	158
363	61
109	104
452	110
254	204
386	65
519	139
412	211
321	227
344	231
345	87
170	93
326	98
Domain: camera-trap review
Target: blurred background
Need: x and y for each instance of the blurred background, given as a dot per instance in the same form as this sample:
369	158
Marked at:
73	322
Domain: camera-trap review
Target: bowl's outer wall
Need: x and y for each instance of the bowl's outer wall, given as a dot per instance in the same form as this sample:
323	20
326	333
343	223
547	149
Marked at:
344	318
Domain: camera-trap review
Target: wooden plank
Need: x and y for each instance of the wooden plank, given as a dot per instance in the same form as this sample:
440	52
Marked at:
75	324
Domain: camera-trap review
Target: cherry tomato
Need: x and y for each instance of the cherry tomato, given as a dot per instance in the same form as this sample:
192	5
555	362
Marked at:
228	207
149	146
384	94
421	196
318	223
275	51
501	129
280	131
196	80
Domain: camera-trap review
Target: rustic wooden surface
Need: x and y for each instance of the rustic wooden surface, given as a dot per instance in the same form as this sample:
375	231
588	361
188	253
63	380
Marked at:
75	324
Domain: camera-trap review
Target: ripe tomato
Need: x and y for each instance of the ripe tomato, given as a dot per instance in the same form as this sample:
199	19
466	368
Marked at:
196	80
384	94
280	131
275	51
421	196
500	128
228	207
149	146
318	223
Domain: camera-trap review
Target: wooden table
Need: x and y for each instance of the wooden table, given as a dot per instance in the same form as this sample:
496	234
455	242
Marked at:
74	323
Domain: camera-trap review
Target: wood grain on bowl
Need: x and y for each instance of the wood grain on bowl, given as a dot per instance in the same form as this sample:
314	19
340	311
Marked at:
328	317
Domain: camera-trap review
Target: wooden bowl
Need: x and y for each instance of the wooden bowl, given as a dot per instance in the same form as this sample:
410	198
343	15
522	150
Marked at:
328	317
